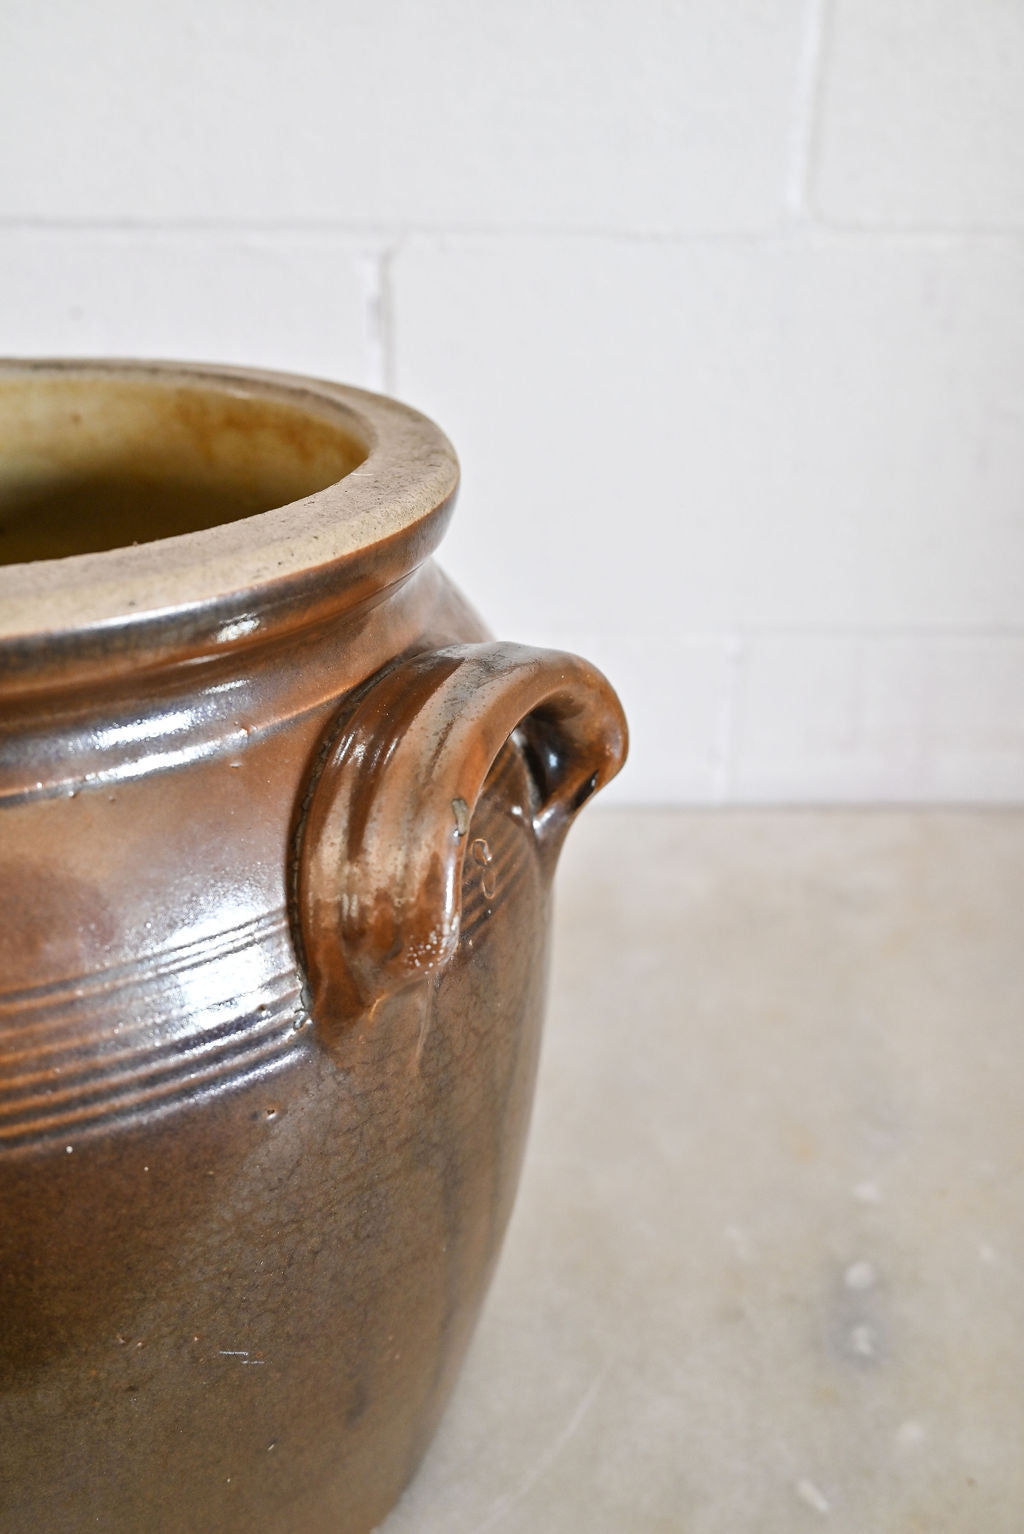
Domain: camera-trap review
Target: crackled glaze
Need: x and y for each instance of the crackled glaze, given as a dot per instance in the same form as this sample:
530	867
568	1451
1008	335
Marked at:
277	827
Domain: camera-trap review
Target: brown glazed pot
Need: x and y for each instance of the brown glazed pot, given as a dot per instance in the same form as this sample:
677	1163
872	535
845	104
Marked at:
277	828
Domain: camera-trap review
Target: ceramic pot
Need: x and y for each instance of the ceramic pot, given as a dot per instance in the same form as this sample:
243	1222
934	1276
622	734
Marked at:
278	822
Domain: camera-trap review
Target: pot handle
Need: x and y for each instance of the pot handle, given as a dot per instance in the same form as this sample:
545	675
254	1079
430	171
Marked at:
382	837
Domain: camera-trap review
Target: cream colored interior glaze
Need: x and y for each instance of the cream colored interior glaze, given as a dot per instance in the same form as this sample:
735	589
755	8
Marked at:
130	487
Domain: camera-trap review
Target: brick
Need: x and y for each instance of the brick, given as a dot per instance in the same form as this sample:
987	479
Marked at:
649	116
922	120
695	438
291	302
899	718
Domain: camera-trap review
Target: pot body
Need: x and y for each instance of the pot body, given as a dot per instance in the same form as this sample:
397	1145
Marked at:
258	1150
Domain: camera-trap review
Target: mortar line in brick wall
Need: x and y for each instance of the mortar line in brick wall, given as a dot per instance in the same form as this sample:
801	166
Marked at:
865	807
870	632
368	271
749	633
723	758
389	340
803	134
392	236
936	234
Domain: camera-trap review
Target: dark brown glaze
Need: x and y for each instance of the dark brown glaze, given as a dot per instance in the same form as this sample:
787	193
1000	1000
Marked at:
273	938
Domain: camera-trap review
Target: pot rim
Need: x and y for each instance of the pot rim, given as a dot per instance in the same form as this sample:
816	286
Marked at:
397	499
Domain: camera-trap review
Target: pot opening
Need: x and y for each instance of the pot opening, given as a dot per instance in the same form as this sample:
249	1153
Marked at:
93	460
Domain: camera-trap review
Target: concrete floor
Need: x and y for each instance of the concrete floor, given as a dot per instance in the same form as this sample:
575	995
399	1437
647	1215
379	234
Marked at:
766	1272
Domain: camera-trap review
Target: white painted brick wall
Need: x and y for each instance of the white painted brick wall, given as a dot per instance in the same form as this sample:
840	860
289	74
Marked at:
214	295
879	715
723	307
922	124
545	113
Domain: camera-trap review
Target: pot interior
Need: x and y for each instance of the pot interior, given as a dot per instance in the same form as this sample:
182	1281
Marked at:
93	460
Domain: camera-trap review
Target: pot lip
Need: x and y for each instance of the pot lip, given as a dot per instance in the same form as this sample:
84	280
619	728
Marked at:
397	498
